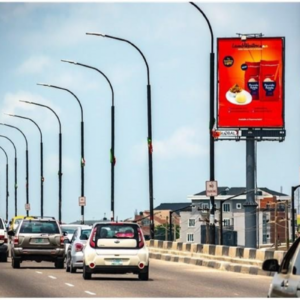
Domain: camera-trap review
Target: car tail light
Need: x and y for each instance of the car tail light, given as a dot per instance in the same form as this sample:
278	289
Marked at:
93	238
78	247
5	240
62	240
92	265
16	240
141	265
1	237
141	238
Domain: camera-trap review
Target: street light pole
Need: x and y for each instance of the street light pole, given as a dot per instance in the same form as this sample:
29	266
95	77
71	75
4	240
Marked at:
293	189
211	122
16	184
82	142
112	151
6	182
149	117
59	154
27	173
41	159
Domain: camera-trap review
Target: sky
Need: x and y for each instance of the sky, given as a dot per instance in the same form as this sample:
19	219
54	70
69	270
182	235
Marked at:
175	40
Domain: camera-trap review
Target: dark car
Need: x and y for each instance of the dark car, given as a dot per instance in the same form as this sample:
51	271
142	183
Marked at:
286	281
39	239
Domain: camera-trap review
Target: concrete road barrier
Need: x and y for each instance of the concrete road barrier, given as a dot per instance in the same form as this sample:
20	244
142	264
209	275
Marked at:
227	258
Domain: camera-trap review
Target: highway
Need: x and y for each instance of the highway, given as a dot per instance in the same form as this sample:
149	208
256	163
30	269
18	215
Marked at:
167	279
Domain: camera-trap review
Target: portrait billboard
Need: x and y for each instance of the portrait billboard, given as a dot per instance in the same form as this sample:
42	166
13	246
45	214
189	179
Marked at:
250	83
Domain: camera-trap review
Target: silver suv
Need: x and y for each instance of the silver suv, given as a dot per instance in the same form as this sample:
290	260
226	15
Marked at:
38	239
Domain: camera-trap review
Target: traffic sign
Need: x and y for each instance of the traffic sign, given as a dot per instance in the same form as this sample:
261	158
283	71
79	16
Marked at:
27	206
211	188
82	201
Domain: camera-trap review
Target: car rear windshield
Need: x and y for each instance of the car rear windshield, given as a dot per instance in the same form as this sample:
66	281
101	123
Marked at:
86	232
32	226
110	232
68	230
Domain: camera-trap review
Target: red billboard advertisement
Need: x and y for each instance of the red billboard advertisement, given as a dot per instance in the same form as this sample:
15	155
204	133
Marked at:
250	83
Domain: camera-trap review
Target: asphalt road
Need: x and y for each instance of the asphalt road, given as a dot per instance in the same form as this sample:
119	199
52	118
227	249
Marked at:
167	279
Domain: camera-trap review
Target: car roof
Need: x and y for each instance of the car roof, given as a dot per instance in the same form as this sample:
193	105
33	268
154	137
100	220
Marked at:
115	223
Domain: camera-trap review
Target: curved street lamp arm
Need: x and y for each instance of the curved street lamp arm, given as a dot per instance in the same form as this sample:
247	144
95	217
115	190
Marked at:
19	130
208	23
133	45
90	67
60	88
5	155
42	105
11	142
31	121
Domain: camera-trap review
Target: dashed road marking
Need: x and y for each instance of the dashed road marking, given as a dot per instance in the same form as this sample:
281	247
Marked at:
69	284
90	293
39	272
52	277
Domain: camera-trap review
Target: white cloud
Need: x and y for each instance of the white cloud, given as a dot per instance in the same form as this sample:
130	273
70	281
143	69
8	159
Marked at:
183	143
34	65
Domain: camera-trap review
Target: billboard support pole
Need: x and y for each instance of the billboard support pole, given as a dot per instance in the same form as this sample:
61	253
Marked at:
250	204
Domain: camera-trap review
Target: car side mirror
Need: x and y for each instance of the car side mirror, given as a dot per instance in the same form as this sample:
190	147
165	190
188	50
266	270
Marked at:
10	232
270	265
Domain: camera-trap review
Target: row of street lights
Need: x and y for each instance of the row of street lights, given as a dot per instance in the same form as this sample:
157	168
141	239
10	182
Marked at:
149	135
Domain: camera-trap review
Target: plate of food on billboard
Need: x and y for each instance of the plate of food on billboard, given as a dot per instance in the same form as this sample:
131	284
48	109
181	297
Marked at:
250	82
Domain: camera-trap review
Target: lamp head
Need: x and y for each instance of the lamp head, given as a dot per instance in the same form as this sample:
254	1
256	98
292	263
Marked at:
24	101
43	84
95	33
9	115
69	61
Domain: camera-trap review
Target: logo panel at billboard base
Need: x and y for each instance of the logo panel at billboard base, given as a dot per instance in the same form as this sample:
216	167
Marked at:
251	83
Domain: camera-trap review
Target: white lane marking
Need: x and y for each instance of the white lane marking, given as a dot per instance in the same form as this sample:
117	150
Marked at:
39	272
52	277
90	293
69	284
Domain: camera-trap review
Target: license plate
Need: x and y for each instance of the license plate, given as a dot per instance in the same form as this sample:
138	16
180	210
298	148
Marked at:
39	241
117	262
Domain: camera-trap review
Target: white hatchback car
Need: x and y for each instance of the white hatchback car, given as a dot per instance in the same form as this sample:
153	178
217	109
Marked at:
116	248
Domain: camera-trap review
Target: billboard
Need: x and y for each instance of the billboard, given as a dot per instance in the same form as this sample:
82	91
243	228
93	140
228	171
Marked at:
250	83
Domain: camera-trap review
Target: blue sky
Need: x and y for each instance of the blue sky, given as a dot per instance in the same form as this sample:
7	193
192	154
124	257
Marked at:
175	40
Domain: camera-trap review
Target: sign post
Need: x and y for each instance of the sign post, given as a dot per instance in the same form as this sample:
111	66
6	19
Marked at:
82	201
211	188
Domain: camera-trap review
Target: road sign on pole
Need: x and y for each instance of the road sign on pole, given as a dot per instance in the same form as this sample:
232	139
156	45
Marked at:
27	206
211	188
82	201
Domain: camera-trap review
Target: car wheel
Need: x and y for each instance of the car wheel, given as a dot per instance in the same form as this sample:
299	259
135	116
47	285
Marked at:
85	274
67	264
15	263
59	264
72	269
144	275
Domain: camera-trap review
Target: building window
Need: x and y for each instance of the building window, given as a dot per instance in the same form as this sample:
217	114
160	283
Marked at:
238	206
205	206
226	207
192	222
226	222
190	237
145	222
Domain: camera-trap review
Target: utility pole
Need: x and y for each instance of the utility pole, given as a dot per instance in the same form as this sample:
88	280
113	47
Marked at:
287	226
166	229
275	229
